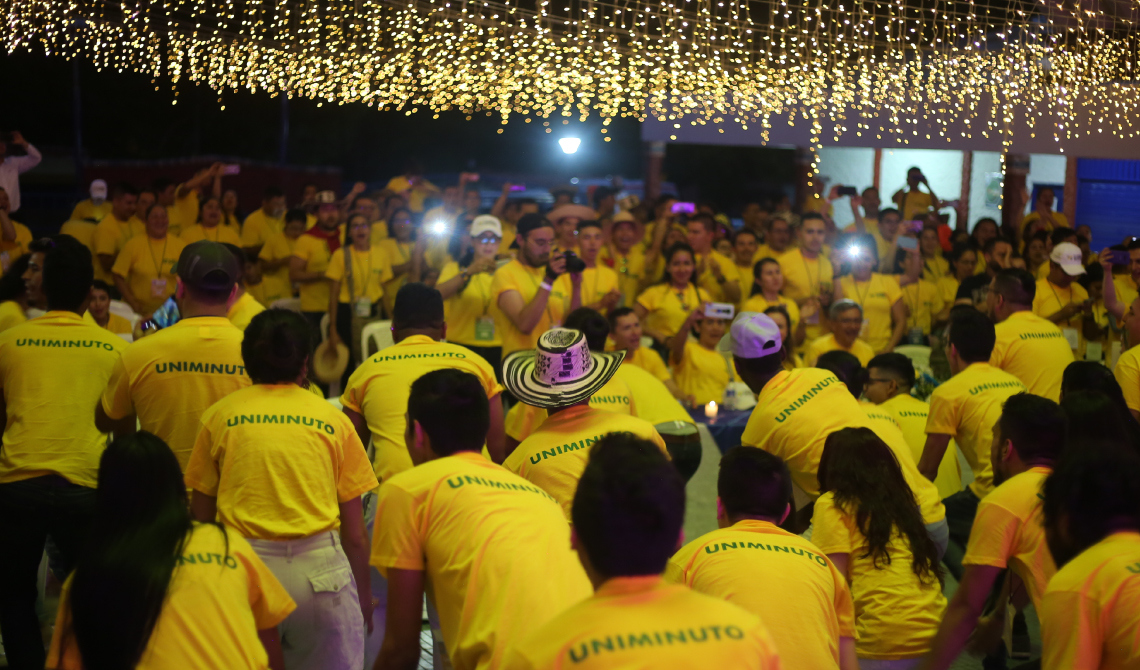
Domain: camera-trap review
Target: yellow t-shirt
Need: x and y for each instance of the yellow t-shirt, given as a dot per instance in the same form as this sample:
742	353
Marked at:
379	231
219	596
280	461
704	373
1008	531
555	454
802	277
479	531
1033	350
1127	372
649	360
149	266
315	252
52	370
896	614
111	235
171	377
934	269
876	296
948	290
464	310
258	227
243	310
641	622
1091	610
758	303
369	272
912	416
523	419
651	398
115	323
806	603
923	302
967	407
797	410
10	251
88	210
183	213
525	280
1050	299
596	283
822	345
277	284
258	293
398	254
667	309
630	269
219	233
379	389
11	314
707	279
915	204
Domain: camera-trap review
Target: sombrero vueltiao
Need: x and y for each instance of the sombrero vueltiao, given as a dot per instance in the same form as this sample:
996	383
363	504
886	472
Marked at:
562	370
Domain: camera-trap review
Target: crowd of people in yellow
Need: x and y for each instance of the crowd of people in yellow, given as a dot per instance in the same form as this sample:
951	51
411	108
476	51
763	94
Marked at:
517	458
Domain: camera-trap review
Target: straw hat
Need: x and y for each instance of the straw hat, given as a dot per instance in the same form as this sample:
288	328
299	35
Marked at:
577	211
562	371
328	363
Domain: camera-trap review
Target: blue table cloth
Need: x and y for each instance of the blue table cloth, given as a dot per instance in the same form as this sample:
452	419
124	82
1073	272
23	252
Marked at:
728	428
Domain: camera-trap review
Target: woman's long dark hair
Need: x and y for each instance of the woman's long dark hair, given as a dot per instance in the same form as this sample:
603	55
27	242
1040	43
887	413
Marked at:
141	525
789	349
864	475
673	251
1095	415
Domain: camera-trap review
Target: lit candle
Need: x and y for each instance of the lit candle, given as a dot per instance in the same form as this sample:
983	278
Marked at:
711	410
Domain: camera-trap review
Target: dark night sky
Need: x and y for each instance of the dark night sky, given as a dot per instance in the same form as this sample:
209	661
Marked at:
124	117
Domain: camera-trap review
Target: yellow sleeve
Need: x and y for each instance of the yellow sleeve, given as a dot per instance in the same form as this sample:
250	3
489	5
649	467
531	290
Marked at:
675	568
992	536
202	473
228	235
252	232
942	417
1039	302
832	532
355	476
448	272
273	250
1071	633
844	604
385	260
396	542
124	261
117	396
303	249
658	367
501	282
997	358
521	420
335	270
650	298
891	288
811	355
268	599
353	395
1127	374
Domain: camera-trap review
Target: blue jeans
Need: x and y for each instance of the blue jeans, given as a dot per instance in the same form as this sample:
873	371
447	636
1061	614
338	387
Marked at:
30	511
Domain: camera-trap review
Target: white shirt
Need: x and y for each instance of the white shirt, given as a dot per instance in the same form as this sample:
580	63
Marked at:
10	171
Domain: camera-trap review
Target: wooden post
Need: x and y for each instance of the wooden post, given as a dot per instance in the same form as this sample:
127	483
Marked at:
878	167
963	222
1070	208
1013	195
803	175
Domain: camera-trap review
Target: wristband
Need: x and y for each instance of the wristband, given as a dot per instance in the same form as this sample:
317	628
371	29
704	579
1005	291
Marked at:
546	285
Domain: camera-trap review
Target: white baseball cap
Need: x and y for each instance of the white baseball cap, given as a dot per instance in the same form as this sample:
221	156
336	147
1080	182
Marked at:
98	189
485	223
1069	257
753	335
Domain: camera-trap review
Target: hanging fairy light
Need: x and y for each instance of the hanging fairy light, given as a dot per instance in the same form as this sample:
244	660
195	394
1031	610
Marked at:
934	69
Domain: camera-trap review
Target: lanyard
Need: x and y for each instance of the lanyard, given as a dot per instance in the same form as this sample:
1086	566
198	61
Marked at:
157	263
862	296
936	270
681	295
1068	321
807	271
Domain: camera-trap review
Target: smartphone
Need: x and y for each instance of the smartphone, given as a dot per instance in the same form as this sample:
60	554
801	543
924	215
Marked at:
518	187
232	169
847	191
684	207
720	310
1120	257
908	243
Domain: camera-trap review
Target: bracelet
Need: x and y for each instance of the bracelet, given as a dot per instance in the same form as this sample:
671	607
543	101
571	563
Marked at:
546	285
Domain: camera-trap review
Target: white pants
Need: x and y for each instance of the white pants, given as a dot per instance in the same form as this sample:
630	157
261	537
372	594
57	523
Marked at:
326	631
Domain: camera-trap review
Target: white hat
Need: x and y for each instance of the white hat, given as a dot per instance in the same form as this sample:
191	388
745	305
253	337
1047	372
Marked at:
485	223
753	335
581	212
325	198
98	190
562	371
1069	257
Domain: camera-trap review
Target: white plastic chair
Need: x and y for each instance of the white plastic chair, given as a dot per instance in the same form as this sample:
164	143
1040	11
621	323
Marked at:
293	304
378	333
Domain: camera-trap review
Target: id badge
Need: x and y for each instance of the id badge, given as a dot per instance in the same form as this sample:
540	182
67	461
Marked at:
362	308
914	335
157	288
1072	337
1094	351
484	329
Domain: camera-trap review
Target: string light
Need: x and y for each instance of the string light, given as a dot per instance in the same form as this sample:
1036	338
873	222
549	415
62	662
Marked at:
934	70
